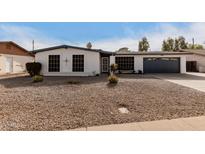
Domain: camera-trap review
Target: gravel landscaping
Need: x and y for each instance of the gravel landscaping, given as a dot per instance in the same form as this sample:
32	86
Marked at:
62	103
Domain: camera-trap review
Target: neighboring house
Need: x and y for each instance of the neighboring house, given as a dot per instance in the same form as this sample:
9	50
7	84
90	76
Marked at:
67	60
195	61
13	58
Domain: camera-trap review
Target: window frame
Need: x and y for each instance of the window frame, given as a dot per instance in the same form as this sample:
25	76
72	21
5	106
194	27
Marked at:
55	65
78	63
124	63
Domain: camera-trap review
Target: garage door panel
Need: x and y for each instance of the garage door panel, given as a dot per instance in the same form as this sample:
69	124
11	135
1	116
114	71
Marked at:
161	65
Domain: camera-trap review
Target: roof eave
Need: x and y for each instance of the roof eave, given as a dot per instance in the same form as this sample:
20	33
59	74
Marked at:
73	47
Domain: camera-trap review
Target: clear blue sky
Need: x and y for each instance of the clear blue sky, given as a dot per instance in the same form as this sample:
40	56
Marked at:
109	36
91	31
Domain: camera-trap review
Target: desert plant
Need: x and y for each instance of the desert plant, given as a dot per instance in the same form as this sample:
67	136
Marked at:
33	68
113	79
113	68
37	78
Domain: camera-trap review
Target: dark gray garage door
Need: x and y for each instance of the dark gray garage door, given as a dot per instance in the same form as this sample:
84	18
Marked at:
161	65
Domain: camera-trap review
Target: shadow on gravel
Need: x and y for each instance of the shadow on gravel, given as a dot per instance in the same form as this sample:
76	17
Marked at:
111	85
49	81
26	81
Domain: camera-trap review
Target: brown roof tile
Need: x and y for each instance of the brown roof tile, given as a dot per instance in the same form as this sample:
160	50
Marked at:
9	47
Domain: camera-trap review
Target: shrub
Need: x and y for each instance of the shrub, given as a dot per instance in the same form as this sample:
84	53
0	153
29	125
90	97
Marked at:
37	78
139	71
113	67
113	79
33	68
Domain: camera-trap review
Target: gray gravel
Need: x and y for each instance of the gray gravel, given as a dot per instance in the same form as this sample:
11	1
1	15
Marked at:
57	104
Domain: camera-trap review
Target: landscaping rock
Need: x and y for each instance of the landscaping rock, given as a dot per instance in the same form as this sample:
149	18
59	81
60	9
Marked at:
56	105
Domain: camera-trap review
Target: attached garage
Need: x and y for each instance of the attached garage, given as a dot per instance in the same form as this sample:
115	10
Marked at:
161	65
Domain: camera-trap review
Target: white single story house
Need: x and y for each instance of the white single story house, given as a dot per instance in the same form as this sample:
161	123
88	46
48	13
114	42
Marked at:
68	60
13	58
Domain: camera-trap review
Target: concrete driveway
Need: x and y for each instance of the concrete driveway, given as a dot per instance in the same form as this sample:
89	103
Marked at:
181	124
191	80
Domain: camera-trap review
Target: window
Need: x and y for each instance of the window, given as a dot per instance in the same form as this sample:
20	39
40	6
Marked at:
54	63
125	63
78	63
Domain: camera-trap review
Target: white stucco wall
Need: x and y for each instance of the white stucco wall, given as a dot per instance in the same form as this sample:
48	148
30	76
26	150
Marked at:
183	64
19	63
2	63
91	62
112	60
199	59
138	61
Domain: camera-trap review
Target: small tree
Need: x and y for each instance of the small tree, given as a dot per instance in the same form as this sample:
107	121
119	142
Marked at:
113	79
195	46
143	45
176	45
182	42
199	46
168	45
164	45
113	68
170	42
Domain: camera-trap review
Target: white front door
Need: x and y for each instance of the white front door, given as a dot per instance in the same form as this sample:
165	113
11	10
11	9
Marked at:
105	62
9	64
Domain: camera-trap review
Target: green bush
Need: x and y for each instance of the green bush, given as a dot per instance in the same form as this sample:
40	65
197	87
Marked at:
33	68
113	79
37	78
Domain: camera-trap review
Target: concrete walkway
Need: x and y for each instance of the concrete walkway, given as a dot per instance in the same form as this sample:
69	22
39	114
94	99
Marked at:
191	80
11	75
181	124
